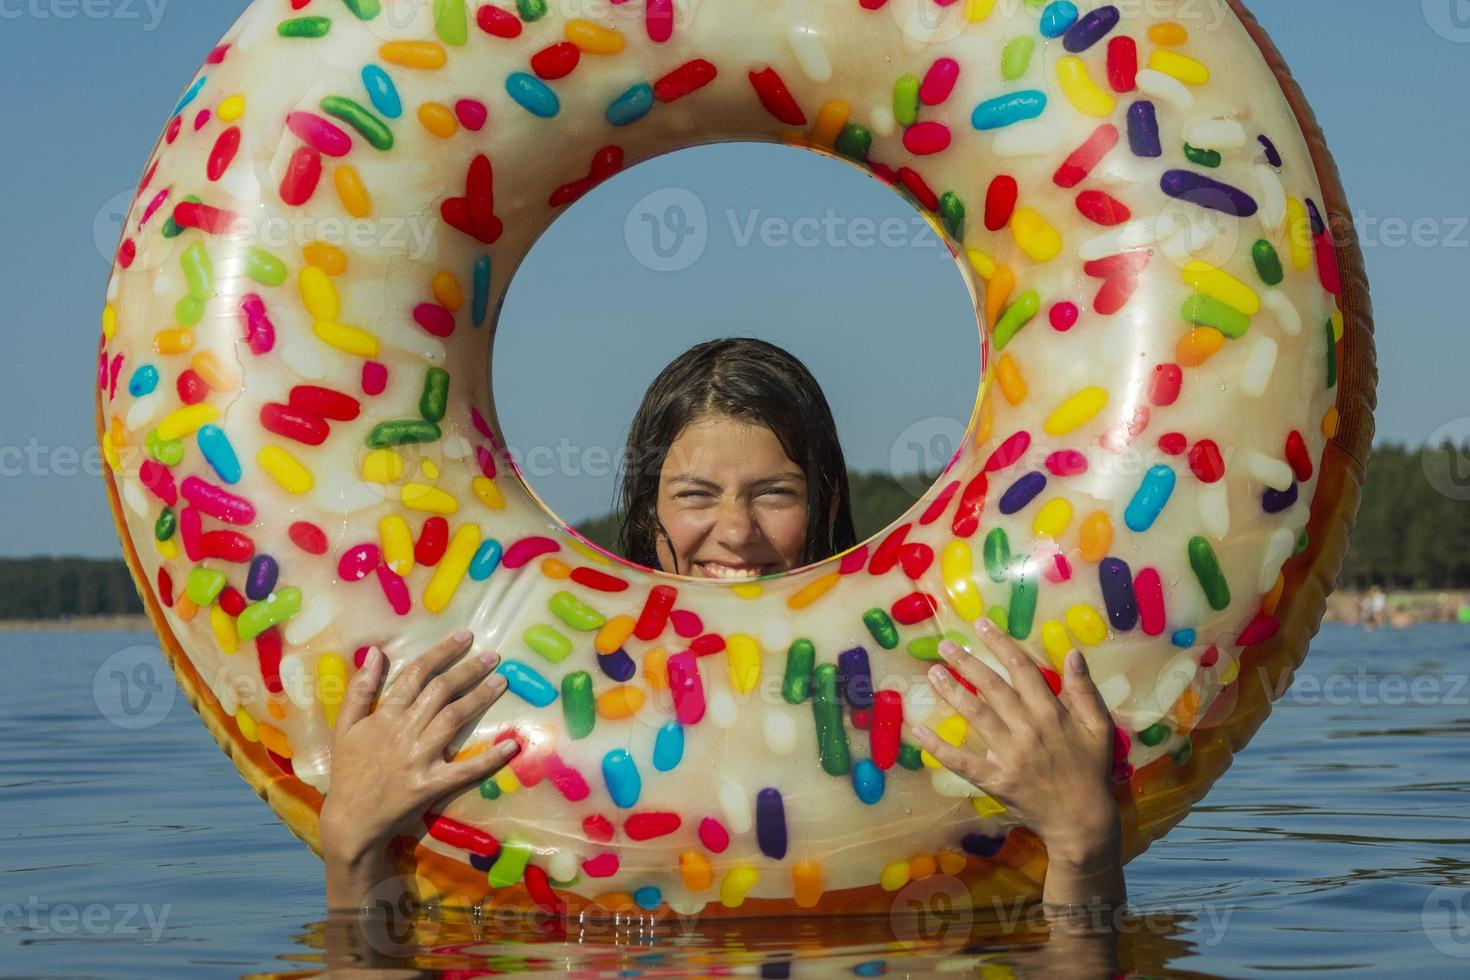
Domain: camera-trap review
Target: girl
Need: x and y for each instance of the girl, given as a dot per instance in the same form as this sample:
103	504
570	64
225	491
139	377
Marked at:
733	470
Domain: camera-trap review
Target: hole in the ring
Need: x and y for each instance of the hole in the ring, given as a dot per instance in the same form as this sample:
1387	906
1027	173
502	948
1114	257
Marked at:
689	265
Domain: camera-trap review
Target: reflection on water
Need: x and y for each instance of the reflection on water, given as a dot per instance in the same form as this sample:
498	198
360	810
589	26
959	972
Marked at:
1339	842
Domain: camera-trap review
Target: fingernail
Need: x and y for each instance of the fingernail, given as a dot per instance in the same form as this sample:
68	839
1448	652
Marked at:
461	636
938	674
370	659
985	626
490	657
1077	662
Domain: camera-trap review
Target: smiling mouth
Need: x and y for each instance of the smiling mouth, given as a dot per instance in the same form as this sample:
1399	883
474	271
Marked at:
715	569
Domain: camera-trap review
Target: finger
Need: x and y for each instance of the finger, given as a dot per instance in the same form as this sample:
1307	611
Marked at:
1026	677
1081	696
991	686
410	684
477	768
444	688
357	700
442	727
980	715
957	760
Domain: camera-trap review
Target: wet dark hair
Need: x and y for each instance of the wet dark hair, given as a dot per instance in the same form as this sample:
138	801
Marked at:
755	382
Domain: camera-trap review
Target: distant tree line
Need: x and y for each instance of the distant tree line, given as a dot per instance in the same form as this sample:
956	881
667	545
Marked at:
1413	532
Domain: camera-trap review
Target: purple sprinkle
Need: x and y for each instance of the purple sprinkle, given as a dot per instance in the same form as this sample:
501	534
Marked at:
1022	492
617	665
261	579
1092	28
981	845
855	678
1143	130
1317	225
481	862
770	823
1187	185
1117	590
1275	501
1273	155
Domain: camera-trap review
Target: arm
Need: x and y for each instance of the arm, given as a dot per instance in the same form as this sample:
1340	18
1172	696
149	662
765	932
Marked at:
1047	759
388	764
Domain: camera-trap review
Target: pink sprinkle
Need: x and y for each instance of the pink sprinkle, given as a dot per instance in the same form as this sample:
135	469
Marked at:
528	549
922	139
660	20
472	114
374	377
1063	316
1066	462
486	461
713	835
201	120
260	333
686	622
217	502
395	590
319	133
434	318
939	81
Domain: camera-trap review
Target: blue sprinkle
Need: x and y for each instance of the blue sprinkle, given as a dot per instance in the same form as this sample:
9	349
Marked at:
189	95
1149	499
218	453
631	106
1183	638
1057	18
532	94
1008	109
482	290
617	665
1143	130
382	92
1022	492
871	968
648	898
1092	28
526	684
867	781
143	381
620	774
260	581
486	560
668	746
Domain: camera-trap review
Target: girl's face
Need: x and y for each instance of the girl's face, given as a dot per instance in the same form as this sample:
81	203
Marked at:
733	503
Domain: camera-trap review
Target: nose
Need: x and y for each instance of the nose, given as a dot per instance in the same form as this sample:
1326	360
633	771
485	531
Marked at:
736	526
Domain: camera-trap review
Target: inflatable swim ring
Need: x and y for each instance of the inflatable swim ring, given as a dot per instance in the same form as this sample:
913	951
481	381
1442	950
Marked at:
1162	468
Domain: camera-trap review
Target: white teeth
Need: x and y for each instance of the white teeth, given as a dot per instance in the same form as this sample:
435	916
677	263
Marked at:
724	571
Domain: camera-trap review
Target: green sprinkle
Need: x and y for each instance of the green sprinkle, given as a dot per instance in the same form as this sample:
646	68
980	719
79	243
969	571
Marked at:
489	789
531	9
827	710
1023	601
386	435
1268	263
435	400
205	585
188	311
1154	734
1205	158
575	613
366	10
304	27
1301	544
549	642
906	100
1016	57
169	452
1331	356
171	227
450	22
577	705
273	610
927	647
910	756
881	626
1207	569
167	523
510	864
1016	316
264	267
1183	754
854	142
999	616
1206	311
997	555
372	129
796	686
952	213
198	271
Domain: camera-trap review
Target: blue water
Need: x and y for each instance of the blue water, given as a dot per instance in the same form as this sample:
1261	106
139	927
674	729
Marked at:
1338	842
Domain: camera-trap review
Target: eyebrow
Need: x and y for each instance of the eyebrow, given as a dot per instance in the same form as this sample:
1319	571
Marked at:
782	477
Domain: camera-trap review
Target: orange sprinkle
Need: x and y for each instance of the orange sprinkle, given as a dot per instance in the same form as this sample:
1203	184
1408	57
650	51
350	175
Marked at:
448	291
656	668
620	702
614	634
1169	34
438	119
694	869
1329	422
552	568
470	751
184	607
1273	598
806	880
1008	374
173	341
997	291
951	862
1096	536
328	258
213	371
277	710
921	866
1199	345
813	591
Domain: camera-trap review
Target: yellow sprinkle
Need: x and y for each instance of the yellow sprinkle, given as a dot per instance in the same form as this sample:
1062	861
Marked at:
1179	66
619	702
331	685
438	119
1299	234
1337	325
1169	34
1008	374
894	876
1038	239
285	469
1087	624
118	433
694	870
382	466
222	624
231	108
319	295
656	668
1079	88
1230	673
813	591
806	882
1076	411
430	500
952	730
743	660
1053	518
452	567
507	781
1221	285
747	590
1055	640
470	751
488	492
957	568
1096	537
1198	346
413	54
167	550
351	192
109	321
830	119
593	38
555	569
397	544
173	341
447	290
349	340
1329	422
998	292
737	882
981	262
978	10
429	469
214	372
186	421
613	634
246	723
987	806
326	257
185	609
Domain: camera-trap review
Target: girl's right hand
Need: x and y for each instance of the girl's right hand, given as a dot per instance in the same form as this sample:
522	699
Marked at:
388	764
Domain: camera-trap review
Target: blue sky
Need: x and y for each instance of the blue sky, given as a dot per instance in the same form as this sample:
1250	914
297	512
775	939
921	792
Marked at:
86	96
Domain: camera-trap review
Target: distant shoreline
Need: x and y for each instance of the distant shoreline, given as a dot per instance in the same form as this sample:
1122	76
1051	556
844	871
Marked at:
79	624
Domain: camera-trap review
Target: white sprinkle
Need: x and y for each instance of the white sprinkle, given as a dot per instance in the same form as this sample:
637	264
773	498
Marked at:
562	865
1115	690
315	616
881	121
735	804
1126	237
1278	549
947	783
806	42
1279	303
1165	87
1214	134
1260	361
137	498
305	357
780	732
1274	473
1213	501
1273	199
294	680
721	709
1174	679
143	411
1029	138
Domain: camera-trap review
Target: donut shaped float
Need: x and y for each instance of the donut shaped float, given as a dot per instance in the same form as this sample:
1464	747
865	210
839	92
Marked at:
1162	467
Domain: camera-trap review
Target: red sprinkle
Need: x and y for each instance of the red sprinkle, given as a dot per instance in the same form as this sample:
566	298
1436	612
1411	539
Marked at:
1066	462
1298	457
374	377
777	99
326	402
308	537
646	826
1102	208
939	81
1164	388
290	423
940	504
914	608
925	138
688	77
556	61
1076	167
268	652
591	578
887	554
1148	590
972	502
597	828
1123	63
433	539
227	546
713	835
471	114
358	562
223	154
655	614
1000	201
1206	462
497	22
1173	443
301	177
